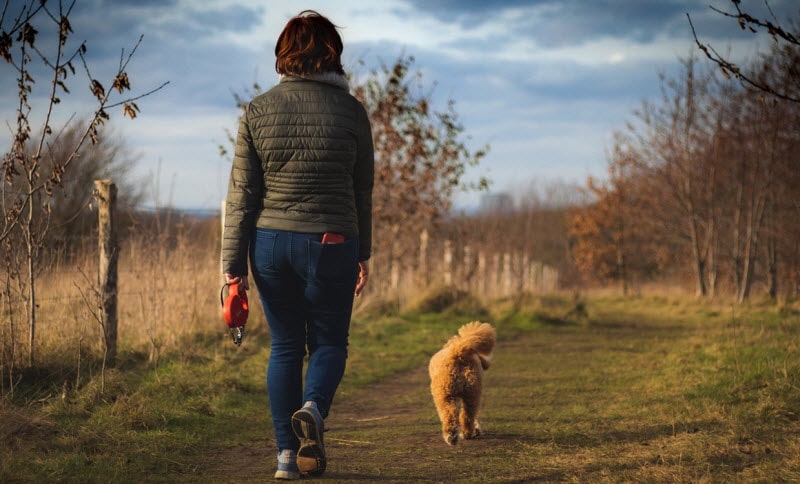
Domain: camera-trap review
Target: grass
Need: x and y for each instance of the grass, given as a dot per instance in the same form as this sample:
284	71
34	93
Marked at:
604	389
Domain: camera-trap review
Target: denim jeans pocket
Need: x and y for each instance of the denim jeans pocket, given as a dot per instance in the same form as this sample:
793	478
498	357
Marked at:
333	263
262	250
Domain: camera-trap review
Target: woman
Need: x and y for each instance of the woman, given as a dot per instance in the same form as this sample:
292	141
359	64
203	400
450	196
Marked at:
300	204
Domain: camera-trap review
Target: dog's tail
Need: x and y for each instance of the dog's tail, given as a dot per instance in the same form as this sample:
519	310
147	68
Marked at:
475	338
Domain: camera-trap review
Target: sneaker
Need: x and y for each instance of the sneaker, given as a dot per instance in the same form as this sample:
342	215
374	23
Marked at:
287	466
308	425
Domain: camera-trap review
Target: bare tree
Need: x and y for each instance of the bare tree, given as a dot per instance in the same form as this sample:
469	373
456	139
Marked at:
781	35
713	180
70	210
762	185
27	204
675	139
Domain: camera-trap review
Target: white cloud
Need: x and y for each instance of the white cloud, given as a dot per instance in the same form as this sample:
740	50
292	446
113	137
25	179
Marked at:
543	84
182	148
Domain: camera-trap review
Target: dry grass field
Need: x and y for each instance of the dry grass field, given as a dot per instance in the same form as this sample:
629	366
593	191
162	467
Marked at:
597	388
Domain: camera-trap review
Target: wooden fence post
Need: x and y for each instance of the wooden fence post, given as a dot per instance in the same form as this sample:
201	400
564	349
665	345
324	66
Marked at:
106	194
507	281
423	278
482	274
467	269
497	275
447	270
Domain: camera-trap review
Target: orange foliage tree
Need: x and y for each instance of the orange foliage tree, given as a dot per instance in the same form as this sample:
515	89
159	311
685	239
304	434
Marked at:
611	238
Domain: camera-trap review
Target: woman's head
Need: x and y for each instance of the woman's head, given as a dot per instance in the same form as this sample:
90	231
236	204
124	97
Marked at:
309	44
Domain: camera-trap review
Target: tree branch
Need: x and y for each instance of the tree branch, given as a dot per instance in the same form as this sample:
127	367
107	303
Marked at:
730	69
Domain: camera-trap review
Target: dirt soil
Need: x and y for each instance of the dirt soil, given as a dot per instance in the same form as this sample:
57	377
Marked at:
388	432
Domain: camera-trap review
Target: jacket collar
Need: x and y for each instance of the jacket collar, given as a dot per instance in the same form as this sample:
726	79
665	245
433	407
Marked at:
332	78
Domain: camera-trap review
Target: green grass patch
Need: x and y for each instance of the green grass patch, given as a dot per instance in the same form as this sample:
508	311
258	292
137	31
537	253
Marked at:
581	389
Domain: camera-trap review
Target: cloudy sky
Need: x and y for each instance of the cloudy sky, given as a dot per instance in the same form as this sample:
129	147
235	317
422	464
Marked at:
544	83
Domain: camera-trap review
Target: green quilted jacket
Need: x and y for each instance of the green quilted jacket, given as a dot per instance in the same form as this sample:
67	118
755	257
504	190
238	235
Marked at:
303	163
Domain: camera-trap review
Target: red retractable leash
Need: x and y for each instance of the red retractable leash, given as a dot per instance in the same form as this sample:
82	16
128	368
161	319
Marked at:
234	310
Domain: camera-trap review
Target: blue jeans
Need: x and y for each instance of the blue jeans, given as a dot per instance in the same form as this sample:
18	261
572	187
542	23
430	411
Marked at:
306	290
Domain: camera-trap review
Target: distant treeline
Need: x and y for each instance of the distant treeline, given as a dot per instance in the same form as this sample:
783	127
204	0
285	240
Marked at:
704	184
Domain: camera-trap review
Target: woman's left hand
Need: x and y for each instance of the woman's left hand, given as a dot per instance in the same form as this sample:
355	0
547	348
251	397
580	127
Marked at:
363	276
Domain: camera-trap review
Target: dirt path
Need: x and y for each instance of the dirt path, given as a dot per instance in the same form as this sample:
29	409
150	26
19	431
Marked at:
551	413
388	432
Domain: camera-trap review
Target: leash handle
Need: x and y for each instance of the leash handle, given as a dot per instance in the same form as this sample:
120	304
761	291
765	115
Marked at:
235	310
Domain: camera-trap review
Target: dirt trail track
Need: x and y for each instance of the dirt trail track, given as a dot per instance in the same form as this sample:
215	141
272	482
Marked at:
390	432
387	433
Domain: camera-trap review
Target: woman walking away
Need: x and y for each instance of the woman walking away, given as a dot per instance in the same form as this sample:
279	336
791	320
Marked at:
299	205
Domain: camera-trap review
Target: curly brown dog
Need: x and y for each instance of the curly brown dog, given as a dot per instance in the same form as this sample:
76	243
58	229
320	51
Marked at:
457	378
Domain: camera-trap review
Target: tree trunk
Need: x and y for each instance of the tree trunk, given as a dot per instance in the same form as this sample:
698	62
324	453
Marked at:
748	268
701	290
713	247
772	262
30	247
772	251
31	307
623	273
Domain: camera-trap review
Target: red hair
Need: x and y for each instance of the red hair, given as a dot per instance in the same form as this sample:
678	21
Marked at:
309	44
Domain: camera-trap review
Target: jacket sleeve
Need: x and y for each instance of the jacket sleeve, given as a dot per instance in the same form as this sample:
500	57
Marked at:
245	195
364	177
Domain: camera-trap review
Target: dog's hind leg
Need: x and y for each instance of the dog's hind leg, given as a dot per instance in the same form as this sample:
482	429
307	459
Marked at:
470	428
448	414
